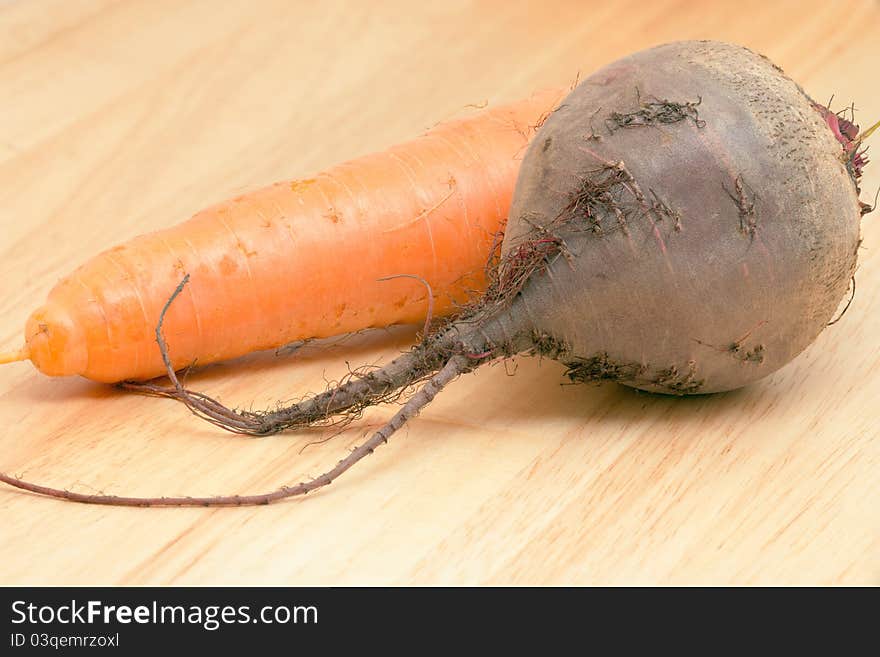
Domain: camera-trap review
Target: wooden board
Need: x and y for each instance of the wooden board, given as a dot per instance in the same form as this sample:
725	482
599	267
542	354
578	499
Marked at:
121	117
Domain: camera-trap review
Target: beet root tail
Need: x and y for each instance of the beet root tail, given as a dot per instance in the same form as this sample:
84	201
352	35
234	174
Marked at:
453	367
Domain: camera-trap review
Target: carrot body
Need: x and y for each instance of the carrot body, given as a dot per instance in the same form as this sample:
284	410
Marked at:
297	259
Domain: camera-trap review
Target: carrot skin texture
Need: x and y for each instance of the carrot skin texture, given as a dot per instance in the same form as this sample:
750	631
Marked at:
298	259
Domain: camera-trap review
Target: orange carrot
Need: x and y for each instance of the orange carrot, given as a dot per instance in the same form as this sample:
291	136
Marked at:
297	259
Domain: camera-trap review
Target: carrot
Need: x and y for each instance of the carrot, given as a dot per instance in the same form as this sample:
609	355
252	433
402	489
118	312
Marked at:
298	259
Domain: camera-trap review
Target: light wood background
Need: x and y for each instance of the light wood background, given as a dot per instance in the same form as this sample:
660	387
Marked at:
121	117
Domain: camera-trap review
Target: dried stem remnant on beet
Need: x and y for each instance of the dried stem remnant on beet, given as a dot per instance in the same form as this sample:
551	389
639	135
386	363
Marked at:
611	191
601	194
602	368
653	112
744	198
683	383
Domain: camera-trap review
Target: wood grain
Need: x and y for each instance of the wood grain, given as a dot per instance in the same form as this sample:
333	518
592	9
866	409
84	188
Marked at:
121	117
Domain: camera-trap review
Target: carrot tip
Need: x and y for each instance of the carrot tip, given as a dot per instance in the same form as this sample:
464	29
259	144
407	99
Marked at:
14	356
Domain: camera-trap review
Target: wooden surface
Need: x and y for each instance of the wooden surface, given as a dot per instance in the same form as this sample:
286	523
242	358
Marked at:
120	117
